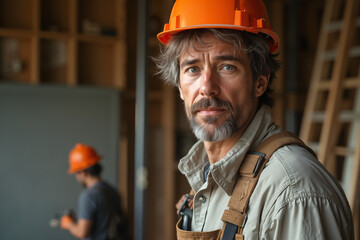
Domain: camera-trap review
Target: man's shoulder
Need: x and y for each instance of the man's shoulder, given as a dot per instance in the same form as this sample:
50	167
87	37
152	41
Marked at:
294	180
295	167
88	194
94	192
296	163
293	172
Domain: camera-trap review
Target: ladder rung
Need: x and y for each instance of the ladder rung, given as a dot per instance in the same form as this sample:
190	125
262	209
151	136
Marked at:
314	146
348	116
337	25
354	51
344	116
324	85
339	150
318	116
343	151
331	54
353	82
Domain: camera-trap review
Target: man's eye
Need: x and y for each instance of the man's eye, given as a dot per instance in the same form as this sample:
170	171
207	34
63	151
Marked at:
228	67
192	70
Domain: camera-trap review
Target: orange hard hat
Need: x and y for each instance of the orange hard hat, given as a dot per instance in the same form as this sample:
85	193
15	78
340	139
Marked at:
82	157
243	15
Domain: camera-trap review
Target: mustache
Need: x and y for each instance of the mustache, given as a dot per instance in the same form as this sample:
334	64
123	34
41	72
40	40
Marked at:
210	102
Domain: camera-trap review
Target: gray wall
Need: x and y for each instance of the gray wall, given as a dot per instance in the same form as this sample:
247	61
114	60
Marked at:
38	127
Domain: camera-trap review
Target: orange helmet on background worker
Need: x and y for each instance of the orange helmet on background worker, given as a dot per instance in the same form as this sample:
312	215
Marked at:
82	157
244	15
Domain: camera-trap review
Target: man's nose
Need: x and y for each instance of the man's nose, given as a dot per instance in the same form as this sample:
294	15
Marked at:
209	84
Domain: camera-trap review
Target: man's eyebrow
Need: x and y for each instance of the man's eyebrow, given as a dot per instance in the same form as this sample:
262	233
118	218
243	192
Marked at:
189	62
220	57
228	58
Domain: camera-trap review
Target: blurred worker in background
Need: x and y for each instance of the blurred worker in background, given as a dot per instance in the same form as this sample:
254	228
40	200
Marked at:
99	213
250	179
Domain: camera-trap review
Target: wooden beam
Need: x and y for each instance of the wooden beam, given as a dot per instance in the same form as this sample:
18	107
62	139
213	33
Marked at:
305	131
168	121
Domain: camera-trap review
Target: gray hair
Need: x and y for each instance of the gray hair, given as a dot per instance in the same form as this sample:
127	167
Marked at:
262	62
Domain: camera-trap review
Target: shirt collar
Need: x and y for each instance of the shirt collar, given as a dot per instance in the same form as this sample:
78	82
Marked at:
224	172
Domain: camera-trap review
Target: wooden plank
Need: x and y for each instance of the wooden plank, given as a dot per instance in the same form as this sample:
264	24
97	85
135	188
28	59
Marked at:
120	46
343	151
349	83
34	45
123	172
279	95
332	54
4	32
120	65
72	79
72	49
337	25
55	35
36	16
73	14
34	60
305	130
168	121
120	18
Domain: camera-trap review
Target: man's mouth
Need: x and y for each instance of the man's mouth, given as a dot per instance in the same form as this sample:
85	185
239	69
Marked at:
210	111
210	107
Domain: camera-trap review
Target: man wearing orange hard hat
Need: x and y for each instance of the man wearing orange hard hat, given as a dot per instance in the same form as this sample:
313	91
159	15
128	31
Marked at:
249	178
99	213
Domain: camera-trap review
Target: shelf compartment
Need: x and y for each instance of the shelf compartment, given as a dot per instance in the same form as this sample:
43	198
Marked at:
55	16
97	17
54	61
17	14
15	59
96	64
55	35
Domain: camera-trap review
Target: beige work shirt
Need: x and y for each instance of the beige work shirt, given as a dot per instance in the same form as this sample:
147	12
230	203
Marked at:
295	197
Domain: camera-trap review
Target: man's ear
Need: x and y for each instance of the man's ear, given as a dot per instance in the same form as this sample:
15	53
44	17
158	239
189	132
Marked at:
180	91
261	85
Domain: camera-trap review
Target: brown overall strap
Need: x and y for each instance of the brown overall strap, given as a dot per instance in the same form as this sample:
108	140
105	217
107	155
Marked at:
254	162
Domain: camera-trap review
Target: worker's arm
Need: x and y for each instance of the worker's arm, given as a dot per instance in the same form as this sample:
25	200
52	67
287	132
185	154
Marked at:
80	229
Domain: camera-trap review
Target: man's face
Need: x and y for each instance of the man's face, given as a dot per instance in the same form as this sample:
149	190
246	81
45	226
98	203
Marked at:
80	178
219	93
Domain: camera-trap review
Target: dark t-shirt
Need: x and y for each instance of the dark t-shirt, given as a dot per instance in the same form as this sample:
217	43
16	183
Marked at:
93	205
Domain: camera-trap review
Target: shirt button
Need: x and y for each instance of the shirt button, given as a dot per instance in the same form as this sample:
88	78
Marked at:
202	199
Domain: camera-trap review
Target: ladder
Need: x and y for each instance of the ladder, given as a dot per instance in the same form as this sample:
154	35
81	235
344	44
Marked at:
331	121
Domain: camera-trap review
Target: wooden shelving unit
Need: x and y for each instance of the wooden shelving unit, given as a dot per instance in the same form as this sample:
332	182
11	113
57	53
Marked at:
67	42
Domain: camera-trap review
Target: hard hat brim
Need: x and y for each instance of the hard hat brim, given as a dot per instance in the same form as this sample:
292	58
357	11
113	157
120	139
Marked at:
165	36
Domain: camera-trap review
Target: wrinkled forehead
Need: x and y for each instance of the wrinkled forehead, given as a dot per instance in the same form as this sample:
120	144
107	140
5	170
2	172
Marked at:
206	42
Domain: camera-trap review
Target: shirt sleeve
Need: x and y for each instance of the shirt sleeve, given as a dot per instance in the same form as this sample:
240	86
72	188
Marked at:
86	206
307	218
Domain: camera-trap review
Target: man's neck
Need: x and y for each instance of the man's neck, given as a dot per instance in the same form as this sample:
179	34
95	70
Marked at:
91	181
217	150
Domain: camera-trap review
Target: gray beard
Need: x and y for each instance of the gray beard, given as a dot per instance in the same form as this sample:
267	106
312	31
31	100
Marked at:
220	133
